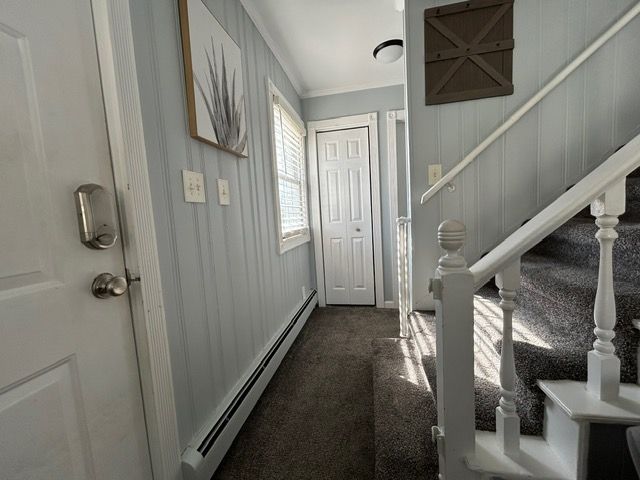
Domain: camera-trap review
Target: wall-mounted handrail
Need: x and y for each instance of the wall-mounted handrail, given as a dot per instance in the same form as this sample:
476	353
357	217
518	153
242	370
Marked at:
533	101
591	187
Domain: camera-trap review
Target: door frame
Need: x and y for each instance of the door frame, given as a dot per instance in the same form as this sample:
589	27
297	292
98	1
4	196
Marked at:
393	118
369	120
114	44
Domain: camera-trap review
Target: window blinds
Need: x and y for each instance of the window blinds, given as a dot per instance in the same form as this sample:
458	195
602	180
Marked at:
289	150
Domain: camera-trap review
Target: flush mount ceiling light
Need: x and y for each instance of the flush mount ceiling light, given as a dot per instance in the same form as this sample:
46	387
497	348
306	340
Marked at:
388	51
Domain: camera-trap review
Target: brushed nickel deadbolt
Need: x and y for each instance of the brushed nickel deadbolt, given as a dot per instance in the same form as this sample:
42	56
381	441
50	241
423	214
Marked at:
97	219
107	285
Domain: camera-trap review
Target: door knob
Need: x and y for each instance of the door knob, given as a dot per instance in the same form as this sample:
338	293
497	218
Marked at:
106	285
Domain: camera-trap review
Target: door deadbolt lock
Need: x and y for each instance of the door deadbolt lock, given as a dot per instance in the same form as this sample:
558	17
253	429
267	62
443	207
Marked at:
107	285
96	216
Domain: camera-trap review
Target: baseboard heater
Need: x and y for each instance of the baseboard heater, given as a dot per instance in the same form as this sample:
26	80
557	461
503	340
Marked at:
199	463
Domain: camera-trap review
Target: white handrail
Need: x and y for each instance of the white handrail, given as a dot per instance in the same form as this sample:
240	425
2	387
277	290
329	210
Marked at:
559	78
591	187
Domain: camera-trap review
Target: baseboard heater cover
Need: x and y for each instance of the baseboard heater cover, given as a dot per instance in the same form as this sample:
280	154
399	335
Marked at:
200	463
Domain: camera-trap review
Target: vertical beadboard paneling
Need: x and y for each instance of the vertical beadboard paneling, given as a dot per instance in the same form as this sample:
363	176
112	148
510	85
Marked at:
551	147
553	109
227	290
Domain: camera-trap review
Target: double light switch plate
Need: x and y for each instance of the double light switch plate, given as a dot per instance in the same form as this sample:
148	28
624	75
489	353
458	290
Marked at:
193	183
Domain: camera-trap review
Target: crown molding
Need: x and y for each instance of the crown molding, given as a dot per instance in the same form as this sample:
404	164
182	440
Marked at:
350	88
285	61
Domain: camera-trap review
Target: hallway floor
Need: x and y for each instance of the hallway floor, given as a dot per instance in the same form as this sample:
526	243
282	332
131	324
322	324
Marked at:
315	418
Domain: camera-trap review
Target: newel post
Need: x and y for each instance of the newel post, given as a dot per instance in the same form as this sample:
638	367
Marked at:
453	290
603	366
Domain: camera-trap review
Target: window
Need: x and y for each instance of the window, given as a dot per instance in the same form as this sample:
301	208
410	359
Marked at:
290	179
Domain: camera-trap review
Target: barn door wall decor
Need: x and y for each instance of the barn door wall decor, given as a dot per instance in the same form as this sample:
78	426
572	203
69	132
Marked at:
468	50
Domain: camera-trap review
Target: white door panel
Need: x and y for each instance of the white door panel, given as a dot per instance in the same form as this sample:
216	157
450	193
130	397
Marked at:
345	202
70	402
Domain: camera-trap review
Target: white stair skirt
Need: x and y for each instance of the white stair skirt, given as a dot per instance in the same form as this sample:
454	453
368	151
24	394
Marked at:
536	460
581	405
570	409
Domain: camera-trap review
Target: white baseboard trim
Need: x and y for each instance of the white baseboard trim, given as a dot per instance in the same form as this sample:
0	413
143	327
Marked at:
200	459
390	304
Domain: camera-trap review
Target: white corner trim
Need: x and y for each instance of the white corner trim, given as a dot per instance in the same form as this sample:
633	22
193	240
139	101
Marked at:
369	120
393	117
114	43
350	88
284	59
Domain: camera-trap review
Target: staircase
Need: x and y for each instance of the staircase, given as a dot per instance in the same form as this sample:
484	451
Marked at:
565	428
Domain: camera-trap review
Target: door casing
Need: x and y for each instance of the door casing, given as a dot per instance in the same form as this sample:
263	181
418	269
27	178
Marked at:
353	121
114	41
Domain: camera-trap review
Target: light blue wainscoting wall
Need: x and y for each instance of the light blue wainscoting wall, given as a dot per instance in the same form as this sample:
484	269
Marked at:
379	100
227	291
552	147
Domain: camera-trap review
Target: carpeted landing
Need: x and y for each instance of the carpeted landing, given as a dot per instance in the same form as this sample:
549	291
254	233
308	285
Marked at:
315	419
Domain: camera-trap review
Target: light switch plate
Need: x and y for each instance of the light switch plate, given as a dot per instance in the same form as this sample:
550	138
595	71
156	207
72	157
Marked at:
434	173
223	192
193	183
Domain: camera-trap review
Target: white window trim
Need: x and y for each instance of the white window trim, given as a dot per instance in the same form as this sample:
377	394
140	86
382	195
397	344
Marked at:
289	243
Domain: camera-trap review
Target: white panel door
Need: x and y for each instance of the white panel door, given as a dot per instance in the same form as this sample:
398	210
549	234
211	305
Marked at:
345	203
70	401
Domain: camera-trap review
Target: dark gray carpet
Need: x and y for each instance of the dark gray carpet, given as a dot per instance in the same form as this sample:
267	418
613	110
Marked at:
553	320
404	410
315	419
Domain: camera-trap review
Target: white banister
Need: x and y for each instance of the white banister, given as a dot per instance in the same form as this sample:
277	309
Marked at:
603	366
603	178
533	101
452	289
507	419
404	302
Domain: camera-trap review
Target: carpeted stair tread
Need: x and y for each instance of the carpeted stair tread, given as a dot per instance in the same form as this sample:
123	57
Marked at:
487	390
575	243
404	411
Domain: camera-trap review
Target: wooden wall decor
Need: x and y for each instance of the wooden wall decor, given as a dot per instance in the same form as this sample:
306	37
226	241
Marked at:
468	50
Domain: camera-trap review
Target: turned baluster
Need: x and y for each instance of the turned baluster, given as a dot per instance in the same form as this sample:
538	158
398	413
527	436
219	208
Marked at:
602	364
507	419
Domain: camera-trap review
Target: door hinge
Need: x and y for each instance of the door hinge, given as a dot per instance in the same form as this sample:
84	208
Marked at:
435	287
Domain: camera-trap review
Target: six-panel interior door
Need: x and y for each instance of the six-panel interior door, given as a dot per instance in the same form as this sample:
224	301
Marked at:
345	203
70	401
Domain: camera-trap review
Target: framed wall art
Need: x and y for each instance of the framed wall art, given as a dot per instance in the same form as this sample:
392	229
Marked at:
213	74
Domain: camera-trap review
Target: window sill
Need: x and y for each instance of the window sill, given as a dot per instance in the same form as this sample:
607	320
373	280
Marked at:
293	242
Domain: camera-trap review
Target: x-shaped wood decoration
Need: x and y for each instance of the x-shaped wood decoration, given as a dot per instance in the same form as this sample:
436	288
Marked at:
472	51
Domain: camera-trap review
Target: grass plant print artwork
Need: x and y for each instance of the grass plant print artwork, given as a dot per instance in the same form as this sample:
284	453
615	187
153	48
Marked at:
213	74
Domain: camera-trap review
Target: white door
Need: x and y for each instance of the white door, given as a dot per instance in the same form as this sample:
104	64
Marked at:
345	203
70	401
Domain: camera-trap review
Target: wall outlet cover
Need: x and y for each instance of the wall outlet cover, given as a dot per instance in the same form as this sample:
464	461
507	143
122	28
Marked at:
193	183
223	192
434	173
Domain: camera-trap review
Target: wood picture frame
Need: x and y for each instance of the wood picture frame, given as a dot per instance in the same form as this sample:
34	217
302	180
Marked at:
213	80
468	51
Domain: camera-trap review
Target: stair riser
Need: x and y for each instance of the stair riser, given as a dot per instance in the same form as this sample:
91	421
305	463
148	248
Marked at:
567	438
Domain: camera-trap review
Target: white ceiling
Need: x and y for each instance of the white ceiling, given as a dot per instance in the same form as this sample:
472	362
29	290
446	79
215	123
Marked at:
326	46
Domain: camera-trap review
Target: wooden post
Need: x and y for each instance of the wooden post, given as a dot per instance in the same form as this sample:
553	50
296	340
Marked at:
453	290
603	367
403	275
507	419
